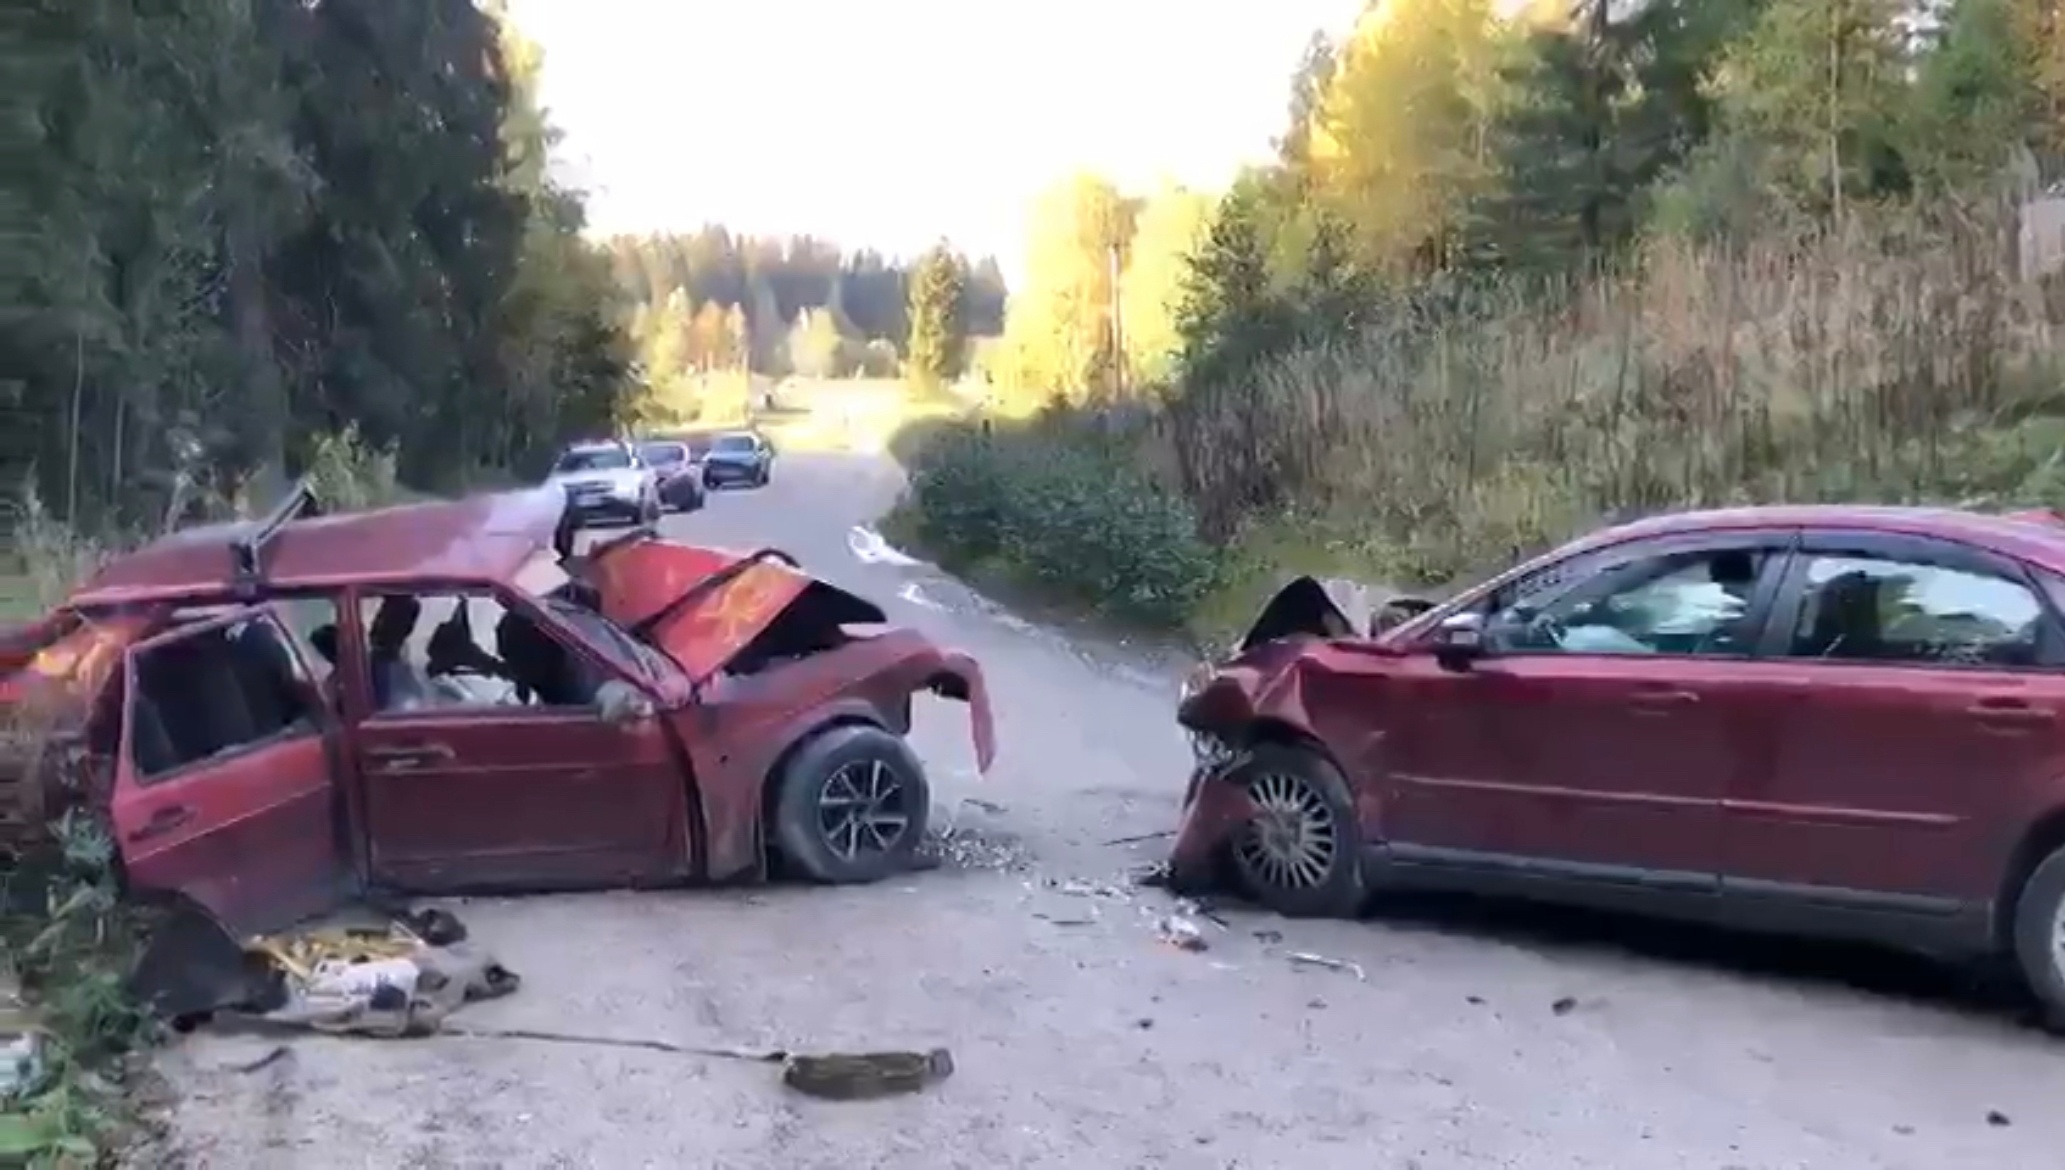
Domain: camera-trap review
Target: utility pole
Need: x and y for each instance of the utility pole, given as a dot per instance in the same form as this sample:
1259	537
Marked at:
1118	330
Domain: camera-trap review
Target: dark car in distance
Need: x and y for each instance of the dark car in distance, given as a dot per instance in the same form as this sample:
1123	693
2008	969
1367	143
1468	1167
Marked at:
738	458
679	477
1835	721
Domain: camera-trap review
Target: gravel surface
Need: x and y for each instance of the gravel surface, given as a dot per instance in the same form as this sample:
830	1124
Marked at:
1099	1025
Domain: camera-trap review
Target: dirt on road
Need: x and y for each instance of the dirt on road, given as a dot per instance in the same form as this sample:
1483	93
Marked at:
1459	1037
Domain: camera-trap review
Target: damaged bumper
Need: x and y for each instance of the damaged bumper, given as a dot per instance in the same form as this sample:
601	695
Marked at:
1212	810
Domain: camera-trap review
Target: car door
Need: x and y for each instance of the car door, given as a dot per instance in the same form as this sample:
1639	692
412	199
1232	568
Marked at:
1921	701
1597	737
224	789
461	796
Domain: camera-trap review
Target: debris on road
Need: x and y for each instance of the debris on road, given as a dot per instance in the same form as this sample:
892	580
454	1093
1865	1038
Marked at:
378	983
861	1076
1137	838
1308	959
970	848
1995	1117
1564	1006
1181	933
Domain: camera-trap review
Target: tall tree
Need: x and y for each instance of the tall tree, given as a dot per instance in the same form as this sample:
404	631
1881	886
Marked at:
936	313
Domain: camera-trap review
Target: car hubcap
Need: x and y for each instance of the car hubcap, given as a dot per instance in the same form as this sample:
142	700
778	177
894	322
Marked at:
1291	841
861	809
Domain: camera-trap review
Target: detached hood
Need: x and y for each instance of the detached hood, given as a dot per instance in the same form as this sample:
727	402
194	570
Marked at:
705	606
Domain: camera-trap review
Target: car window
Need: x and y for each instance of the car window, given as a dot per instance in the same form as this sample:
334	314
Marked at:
597	459
663	454
1693	602
216	693
461	650
1868	609
737	443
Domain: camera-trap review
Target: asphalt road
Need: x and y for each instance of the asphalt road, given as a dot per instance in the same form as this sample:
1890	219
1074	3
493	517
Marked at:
1081	1041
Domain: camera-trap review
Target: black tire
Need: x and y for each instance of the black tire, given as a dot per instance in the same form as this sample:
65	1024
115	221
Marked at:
1316	872
857	760
2039	936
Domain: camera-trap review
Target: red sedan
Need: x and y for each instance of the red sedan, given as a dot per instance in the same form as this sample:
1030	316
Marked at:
1837	721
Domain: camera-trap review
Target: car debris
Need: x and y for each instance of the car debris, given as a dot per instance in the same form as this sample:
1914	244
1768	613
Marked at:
1308	959
311	712
1181	933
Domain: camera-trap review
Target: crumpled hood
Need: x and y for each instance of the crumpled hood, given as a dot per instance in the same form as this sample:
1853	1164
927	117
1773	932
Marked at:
731	598
1332	607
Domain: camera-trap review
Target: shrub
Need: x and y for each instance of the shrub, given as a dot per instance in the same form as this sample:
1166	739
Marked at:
1061	512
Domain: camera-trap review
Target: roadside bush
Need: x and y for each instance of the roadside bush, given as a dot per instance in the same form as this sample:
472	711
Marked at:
1060	511
1903	359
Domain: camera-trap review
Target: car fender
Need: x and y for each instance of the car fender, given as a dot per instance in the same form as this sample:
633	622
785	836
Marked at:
744	726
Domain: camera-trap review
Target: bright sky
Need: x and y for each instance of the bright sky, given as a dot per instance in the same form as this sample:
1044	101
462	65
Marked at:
890	123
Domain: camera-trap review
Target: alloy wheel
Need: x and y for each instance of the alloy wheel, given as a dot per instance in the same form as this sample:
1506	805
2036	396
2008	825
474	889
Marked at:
1292	840
861	808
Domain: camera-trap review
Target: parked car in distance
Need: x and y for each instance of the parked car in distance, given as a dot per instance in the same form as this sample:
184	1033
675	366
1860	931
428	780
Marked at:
738	457
1840	721
606	480
678	477
284	713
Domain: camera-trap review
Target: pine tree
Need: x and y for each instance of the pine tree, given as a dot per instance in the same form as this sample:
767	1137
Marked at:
936	316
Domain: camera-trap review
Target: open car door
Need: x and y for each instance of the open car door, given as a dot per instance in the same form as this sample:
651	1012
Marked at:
225	793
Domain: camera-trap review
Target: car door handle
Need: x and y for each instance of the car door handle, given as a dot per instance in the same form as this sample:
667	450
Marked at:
401	759
1662	700
2008	711
163	821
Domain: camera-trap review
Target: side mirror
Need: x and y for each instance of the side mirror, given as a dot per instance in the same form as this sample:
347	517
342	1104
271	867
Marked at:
623	704
1459	640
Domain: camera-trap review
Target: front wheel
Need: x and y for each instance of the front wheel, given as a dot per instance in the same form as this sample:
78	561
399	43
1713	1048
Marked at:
851	806
2039	936
1300	854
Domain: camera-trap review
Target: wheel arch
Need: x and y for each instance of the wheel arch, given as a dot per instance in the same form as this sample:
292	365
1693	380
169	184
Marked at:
770	784
2043	838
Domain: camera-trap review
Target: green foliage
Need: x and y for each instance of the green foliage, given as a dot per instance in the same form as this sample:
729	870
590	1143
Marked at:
775	282
234	229
1059	511
938	331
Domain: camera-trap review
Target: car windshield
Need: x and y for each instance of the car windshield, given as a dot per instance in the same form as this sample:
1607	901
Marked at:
736	443
594	459
663	454
544	578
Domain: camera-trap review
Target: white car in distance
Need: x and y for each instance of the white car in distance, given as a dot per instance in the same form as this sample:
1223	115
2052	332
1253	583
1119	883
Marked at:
606	481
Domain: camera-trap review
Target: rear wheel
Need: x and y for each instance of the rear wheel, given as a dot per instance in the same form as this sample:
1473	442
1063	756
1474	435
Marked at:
2040	936
851	806
1300	854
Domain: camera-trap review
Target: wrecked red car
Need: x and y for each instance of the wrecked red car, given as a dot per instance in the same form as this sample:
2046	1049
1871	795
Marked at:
1837	721
438	698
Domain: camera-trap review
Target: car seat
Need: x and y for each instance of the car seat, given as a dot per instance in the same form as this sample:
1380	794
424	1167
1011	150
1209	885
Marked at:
1846	619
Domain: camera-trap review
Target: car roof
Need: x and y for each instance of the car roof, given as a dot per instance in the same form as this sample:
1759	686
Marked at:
594	445
2032	535
485	537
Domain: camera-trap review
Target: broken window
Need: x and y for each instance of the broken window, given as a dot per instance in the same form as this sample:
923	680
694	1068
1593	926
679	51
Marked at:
468	649
216	693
